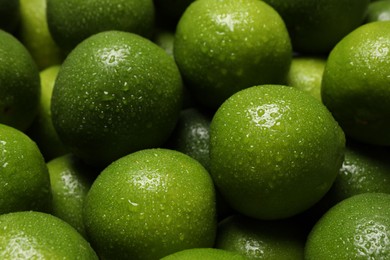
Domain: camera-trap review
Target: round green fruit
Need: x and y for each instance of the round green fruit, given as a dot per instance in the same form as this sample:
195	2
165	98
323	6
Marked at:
355	228
115	93
274	151
150	204
37	235
24	177
223	46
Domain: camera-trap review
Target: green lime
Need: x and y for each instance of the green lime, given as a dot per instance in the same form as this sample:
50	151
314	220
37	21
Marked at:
257	239
70	182
34	34
355	228
192	135
115	93
9	15
19	83
317	26
150	204
72	21
24	177
223	46
204	254
306	74
37	235
274	151
355	83
42	130
165	40
365	169
378	11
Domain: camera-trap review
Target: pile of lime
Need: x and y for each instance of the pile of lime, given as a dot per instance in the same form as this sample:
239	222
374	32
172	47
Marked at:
194	129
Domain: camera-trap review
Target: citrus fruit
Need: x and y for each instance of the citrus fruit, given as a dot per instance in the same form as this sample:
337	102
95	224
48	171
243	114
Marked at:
365	169
192	135
71	21
224	46
115	93
70	181
355	228
355	84
274	151
9	15
34	34
42	130
378	11
306	74
24	177
37	235
316	26
150	204
19	83
165	40
257	239
204	254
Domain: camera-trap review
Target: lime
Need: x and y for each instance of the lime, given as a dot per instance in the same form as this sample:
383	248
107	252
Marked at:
71	21
355	84
192	135
42	130
317	26
9	15
19	83
257	239
274	151
306	74
70	181
24	177
355	228
204	254
150	204
115	93
165	40
223	46
365	169
378	11
34	34
37	235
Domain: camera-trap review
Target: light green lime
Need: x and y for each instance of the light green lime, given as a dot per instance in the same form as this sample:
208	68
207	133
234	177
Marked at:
24	177
42	130
356	228
115	93
274	151
223	46
355	83
306	74
19	83
36	235
70	181
204	254
378	11
150	204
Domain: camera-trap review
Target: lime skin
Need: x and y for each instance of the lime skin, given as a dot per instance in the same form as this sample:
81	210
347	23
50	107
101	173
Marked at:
355	228
38	235
355	83
150	204
115	93
274	151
